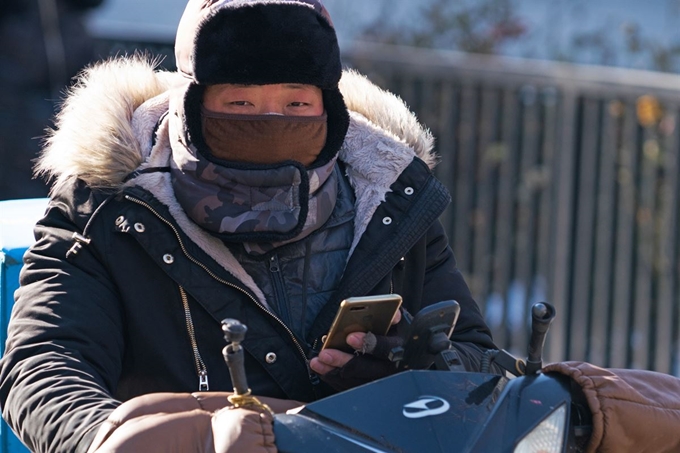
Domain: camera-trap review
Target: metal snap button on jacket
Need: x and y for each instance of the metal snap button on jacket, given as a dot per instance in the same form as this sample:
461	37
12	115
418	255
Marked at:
387	220
168	258
120	220
409	191
139	227
270	357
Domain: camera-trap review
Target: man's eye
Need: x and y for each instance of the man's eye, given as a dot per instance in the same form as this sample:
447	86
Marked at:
239	103
298	104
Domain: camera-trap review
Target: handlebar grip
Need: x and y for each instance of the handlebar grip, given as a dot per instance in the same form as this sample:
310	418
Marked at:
542	315
234	333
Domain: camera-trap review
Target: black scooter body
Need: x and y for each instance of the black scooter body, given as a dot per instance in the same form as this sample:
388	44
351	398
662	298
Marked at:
442	409
428	411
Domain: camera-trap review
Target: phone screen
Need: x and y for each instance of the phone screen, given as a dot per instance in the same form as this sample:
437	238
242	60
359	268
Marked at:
362	314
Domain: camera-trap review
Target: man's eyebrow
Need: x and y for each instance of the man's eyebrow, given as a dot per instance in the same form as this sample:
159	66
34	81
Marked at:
296	86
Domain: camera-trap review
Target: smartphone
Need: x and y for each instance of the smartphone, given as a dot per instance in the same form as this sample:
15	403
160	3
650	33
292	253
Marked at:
361	314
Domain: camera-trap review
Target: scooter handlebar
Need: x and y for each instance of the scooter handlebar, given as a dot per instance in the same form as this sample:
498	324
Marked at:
542	315
234	333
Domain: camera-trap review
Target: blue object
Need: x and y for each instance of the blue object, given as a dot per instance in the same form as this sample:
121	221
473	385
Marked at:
17	218
431	411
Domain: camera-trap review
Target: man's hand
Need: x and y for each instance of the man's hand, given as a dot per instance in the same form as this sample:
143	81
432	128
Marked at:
330	359
343	370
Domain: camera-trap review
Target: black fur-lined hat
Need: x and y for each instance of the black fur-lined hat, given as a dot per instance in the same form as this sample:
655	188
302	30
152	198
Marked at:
261	42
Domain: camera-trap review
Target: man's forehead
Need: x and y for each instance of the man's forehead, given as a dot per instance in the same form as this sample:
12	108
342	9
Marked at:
285	85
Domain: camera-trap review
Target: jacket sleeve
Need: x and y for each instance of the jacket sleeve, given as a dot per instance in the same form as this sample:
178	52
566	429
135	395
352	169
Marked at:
443	281
632	410
203	422
64	344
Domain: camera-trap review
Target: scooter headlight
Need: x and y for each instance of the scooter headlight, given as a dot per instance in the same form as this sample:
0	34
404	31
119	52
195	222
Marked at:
547	436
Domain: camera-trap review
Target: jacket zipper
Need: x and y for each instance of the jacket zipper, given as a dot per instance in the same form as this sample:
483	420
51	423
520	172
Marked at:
201	369
282	303
224	282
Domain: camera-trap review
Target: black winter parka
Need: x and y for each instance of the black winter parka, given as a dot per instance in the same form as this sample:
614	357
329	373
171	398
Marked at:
119	298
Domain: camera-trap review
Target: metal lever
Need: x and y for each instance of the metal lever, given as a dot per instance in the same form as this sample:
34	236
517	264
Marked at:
542	315
234	334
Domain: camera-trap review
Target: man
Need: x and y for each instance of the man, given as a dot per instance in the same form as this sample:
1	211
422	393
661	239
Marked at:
253	185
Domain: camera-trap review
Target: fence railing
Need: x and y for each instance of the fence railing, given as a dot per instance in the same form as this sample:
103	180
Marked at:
564	182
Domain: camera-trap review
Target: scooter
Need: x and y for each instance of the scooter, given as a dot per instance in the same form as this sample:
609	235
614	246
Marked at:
434	405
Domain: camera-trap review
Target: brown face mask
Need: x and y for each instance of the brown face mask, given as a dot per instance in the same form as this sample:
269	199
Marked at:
264	139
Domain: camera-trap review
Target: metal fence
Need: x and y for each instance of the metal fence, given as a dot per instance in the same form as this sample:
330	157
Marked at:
564	182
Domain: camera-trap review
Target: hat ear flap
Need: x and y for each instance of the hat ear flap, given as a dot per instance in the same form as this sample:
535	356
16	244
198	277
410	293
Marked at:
193	100
337	125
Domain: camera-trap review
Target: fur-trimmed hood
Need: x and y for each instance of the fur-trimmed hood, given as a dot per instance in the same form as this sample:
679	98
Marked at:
96	140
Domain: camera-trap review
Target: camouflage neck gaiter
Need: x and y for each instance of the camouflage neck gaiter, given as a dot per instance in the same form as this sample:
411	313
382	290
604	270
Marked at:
264	139
261	208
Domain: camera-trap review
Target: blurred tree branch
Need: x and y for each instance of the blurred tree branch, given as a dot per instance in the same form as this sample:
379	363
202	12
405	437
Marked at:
479	26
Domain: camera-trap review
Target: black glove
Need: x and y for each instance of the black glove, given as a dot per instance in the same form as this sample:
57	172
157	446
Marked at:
368	364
